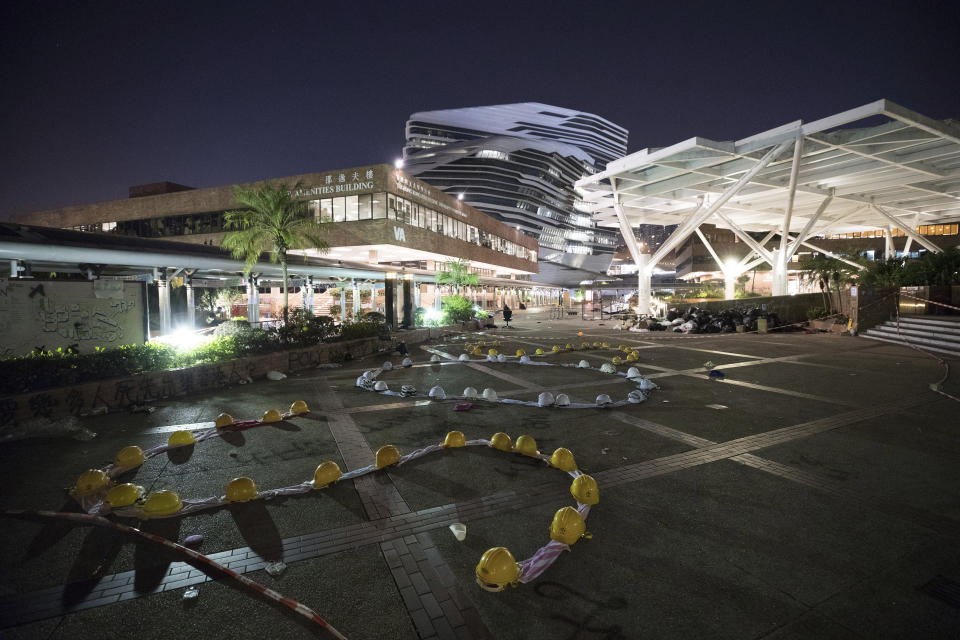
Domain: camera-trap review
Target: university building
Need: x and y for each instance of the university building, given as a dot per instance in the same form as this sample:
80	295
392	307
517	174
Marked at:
379	221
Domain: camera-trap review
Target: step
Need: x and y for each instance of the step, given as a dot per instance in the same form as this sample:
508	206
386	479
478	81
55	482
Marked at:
910	332
948	352
951	327
946	321
908	337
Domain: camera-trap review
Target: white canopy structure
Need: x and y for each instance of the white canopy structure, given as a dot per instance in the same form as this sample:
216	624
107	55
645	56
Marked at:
878	166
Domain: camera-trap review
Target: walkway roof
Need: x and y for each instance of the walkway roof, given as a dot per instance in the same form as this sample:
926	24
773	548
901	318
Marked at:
881	163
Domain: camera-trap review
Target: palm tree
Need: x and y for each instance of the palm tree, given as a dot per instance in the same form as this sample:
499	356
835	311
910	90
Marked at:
457	273
274	221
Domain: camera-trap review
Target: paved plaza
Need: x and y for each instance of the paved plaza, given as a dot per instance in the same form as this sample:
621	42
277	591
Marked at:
814	491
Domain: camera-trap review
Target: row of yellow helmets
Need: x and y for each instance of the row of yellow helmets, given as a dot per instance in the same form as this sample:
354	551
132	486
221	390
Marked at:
583	346
632	354
161	502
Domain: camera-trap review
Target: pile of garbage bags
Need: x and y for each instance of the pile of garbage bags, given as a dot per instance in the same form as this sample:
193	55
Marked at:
697	320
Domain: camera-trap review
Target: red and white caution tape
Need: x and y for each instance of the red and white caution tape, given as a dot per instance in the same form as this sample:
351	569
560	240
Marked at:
98	521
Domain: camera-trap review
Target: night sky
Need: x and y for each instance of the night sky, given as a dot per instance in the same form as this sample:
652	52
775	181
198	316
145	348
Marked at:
99	96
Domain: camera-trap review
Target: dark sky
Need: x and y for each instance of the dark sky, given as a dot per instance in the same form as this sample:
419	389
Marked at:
97	96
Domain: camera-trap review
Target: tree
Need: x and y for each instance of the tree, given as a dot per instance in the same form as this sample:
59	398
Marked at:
457	274
832	275
274	221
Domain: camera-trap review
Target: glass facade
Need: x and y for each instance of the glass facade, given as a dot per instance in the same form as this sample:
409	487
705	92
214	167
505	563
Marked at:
389	206
351	208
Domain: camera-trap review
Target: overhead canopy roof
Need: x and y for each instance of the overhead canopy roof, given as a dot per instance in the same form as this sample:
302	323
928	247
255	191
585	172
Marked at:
878	154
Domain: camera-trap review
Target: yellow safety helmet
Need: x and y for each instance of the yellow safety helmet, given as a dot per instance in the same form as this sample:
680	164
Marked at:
129	457
569	347
596	345
539	351
326	473
241	489
299	408
567	526
521	352
585	345
224	420
496	343
526	445
123	495
387	455
91	480
562	459
493	352
605	345
497	569
556	348
271	415
501	441
162	503
455	439
584	489
180	438
632	356
617	360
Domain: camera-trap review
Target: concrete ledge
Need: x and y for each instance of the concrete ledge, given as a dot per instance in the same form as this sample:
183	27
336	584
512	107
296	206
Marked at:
117	394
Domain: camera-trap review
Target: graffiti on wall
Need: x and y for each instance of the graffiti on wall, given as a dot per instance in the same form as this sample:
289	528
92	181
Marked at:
65	314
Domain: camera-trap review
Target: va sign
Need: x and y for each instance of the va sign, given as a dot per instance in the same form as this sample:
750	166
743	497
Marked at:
399	235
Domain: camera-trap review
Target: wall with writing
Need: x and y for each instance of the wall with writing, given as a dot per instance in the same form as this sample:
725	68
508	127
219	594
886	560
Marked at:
83	315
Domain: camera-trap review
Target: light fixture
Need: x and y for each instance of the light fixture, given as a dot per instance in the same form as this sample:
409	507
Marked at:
408	276
460	196
390	275
398	163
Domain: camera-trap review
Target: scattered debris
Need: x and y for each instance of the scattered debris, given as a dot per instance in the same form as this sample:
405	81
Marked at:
191	593
275	375
275	568
193	541
141	408
67	426
459	530
463	406
604	451
99	411
329	365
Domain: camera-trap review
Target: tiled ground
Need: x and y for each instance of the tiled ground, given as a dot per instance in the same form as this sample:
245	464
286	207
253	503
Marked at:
812	493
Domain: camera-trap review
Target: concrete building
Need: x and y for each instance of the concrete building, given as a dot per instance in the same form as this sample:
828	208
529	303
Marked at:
379	220
518	162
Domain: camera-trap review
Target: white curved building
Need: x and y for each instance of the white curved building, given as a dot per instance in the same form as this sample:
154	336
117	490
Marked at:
519	162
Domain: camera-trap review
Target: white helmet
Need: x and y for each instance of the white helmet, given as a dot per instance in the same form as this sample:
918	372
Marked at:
380	386
636	397
545	399
563	400
407	362
386	366
490	394
470	392
491	358
435	358
584	364
437	393
633	372
501	358
607	367
524	359
645	384
362	381
368	375
603	400
464	358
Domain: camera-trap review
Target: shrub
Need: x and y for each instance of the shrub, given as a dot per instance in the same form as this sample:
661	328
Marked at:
354	330
374	316
815	313
233	327
457	309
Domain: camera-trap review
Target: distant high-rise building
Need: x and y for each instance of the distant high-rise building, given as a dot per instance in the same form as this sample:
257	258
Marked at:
518	162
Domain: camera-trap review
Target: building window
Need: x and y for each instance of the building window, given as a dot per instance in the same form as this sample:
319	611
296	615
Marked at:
352	208
339	210
326	210
379	206
363	207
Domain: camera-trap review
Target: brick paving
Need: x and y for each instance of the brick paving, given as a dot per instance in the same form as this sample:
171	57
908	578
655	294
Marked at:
434	602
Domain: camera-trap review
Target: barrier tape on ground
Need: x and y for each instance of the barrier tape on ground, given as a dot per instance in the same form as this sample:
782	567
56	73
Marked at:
98	521
936	387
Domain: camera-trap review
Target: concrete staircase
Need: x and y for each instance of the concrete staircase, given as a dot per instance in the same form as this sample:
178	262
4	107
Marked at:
940	334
